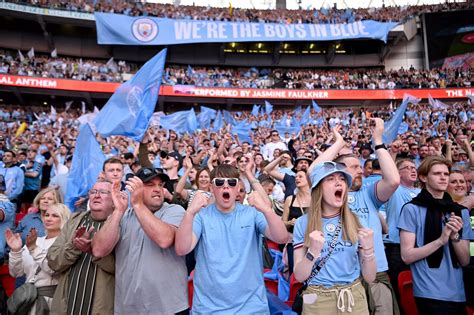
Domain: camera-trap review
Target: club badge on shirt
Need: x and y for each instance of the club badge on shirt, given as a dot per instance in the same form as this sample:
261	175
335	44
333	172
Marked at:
330	227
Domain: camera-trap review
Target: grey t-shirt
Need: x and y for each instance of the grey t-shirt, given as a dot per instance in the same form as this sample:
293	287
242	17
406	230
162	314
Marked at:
149	279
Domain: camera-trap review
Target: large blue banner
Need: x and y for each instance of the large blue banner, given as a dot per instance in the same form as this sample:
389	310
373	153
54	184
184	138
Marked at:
119	29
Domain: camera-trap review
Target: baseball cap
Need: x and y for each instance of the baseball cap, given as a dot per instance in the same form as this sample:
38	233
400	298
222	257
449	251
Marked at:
146	174
175	155
325	169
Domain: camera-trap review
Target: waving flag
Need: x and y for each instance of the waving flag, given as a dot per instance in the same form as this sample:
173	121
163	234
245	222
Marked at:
176	121
204	118
229	118
393	125
436	104
316	107
268	108
306	117
255	110
192	123
86	166
218	122
129	110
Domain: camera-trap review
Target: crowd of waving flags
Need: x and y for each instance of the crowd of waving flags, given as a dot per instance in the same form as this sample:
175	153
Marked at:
129	111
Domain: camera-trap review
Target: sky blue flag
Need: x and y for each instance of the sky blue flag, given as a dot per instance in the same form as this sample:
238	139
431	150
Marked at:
268	108
306	117
229	118
316	107
192	123
176	121
205	116
129	109
393	125
436	104
87	163
218	122
243	130
255	110
297	110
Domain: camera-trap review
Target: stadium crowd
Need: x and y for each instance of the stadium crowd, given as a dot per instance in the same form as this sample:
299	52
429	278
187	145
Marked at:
112	71
276	174
309	15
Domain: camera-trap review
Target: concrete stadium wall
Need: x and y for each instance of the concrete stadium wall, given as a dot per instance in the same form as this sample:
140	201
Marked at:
406	54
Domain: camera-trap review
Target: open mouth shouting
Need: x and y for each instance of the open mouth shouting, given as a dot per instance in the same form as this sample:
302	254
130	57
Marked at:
226	196
338	194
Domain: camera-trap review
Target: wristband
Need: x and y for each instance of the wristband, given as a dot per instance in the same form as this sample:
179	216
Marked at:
255	181
380	146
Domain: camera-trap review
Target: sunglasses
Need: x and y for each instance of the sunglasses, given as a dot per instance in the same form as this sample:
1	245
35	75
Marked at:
329	166
219	182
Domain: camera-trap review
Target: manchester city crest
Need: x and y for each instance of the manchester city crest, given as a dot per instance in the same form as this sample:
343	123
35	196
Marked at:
350	199
144	29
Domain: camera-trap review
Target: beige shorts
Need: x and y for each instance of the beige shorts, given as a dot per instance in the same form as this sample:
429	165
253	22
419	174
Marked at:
336	300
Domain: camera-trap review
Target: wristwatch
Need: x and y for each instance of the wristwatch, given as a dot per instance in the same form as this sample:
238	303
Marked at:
309	256
456	237
380	146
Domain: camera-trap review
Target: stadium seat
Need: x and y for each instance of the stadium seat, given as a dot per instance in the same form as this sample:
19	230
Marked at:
272	245
19	217
405	287
294	287
469	311
8	281
190	289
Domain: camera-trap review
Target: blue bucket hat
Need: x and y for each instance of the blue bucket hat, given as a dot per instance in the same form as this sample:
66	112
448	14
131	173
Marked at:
325	169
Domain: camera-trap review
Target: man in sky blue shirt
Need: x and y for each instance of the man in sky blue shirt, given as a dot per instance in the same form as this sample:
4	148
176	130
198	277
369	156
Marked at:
226	235
13	176
404	193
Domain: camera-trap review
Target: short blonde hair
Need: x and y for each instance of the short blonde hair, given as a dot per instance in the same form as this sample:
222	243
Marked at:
62	210
58	198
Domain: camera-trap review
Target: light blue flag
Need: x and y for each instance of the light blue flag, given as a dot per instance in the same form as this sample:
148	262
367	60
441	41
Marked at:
192	123
393	125
243	130
316	107
268	108
176	121
297	110
218	122
255	110
436	104
229	118
86	166
306	117
129	109
205	116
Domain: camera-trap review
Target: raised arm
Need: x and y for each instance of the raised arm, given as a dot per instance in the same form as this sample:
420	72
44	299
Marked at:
161	233
106	238
276	230
390	176
179	189
270	169
255	183
186	240
331	152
